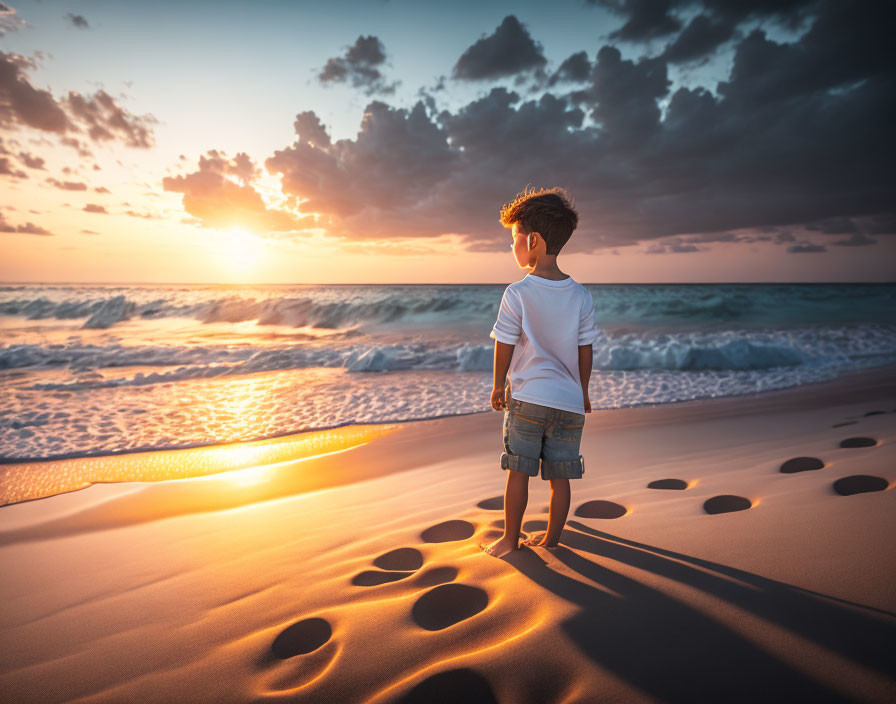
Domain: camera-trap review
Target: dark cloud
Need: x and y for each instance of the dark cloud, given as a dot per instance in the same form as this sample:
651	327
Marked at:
80	147
78	21
746	158
700	38
645	19
843	46
359	67
424	93
144	216
29	228
23	105
671	247
834	226
881	224
67	185
856	240
508	51
766	151
715	23
7	168
716	237
575	69
623	95
32	162
806	248
101	189
94	208
309	129
790	14
221	195
399	157
9	20
797	133
491	126
105	120
89	232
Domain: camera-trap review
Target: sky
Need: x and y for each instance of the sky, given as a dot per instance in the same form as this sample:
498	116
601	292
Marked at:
375	141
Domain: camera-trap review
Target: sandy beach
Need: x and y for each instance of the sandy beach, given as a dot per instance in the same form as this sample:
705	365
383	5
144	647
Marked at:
355	576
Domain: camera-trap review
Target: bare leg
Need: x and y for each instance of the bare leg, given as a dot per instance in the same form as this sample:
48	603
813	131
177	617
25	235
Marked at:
516	496
560	496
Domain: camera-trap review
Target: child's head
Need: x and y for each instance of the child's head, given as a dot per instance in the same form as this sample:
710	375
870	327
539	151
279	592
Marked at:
548	212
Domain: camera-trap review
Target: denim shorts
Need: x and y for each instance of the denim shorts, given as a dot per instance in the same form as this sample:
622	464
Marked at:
535	434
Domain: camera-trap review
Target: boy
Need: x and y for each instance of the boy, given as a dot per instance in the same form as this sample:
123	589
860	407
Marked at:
543	338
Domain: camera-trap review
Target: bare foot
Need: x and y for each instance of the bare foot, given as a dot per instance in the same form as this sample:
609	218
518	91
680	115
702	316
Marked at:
500	547
539	540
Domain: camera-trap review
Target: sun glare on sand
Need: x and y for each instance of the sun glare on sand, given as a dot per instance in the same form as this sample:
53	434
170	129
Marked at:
35	480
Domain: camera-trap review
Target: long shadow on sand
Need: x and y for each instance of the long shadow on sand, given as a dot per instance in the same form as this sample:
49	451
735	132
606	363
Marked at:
676	653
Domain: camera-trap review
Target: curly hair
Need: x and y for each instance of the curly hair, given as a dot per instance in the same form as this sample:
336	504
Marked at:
548	211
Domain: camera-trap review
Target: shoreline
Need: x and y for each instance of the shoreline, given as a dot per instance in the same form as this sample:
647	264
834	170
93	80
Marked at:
859	375
382	449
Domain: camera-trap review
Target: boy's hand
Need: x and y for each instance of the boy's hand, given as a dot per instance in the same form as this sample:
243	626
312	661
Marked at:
498	400
587	404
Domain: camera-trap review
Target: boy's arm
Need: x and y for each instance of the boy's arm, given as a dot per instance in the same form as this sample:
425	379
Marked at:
503	355
506	332
587	334
586	360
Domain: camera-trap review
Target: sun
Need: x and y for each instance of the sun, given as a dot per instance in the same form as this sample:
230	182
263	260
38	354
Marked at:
242	250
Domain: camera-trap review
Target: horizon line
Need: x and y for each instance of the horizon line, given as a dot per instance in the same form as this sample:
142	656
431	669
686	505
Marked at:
449	283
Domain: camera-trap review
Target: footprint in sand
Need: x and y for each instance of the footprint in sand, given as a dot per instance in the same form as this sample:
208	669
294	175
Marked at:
726	503
859	484
495	503
394	565
459	685
400	559
858	442
448	604
302	637
677	484
600	509
311	642
448	531
399	564
444	605
801	464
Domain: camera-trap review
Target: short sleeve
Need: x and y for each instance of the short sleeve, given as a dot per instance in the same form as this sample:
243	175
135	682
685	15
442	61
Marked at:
587	331
508	326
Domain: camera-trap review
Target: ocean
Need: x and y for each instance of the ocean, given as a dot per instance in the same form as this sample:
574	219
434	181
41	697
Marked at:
101	369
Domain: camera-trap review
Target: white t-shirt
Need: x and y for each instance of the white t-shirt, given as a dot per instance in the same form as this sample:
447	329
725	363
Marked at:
547	321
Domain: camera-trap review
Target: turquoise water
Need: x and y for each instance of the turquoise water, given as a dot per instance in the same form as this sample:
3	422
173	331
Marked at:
88	369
